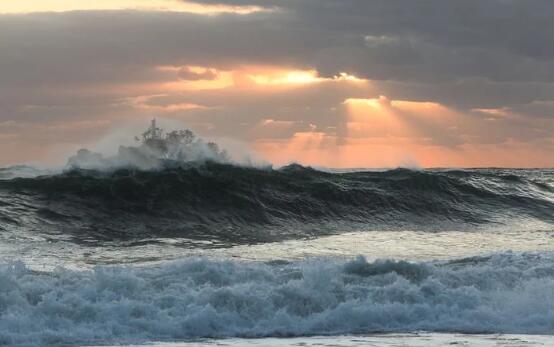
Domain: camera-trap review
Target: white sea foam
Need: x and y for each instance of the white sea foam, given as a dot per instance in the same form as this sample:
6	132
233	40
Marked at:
196	297
157	149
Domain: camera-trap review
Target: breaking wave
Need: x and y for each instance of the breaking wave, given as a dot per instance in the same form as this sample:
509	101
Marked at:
242	205
196	298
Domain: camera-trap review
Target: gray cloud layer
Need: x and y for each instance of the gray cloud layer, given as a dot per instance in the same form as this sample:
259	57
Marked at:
428	42
462	53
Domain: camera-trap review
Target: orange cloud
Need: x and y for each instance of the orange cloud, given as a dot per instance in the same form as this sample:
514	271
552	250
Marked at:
247	77
277	76
278	110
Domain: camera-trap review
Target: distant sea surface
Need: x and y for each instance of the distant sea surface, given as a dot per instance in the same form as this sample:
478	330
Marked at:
221	255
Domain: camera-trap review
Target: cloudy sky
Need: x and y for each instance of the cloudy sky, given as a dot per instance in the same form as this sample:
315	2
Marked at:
339	83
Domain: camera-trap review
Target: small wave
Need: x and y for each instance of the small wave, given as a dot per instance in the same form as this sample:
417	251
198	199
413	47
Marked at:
197	298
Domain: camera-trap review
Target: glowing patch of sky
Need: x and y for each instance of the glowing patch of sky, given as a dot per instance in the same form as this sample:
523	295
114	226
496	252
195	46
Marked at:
30	6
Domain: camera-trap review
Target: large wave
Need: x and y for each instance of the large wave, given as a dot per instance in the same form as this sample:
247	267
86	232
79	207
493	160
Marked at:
502	293
240	204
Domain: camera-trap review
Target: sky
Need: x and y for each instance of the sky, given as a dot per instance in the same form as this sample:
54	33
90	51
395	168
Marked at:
336	83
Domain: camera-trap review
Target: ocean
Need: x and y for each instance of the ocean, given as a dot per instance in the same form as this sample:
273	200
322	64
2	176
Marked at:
221	255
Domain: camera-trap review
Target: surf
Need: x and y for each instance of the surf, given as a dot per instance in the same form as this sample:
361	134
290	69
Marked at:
201	298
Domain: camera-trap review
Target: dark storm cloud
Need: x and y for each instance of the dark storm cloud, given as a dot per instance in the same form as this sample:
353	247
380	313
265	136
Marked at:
421	42
428	40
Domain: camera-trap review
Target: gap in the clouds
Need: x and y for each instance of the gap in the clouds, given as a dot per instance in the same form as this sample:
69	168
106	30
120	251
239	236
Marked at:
193	7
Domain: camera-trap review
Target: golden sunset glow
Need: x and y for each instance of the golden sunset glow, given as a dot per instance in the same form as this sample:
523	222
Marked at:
380	132
30	6
374	117
286	77
312	148
265	72
370	117
277	76
393	152
249	77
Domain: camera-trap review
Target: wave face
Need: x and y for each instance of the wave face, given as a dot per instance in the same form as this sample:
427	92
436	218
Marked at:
503	293
242	205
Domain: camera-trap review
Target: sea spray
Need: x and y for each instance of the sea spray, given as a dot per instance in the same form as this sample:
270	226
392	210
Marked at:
156	149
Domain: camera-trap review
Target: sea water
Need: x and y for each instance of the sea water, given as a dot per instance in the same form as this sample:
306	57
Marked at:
468	280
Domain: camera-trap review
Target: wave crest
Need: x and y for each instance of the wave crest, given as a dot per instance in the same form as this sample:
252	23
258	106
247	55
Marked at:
240	204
